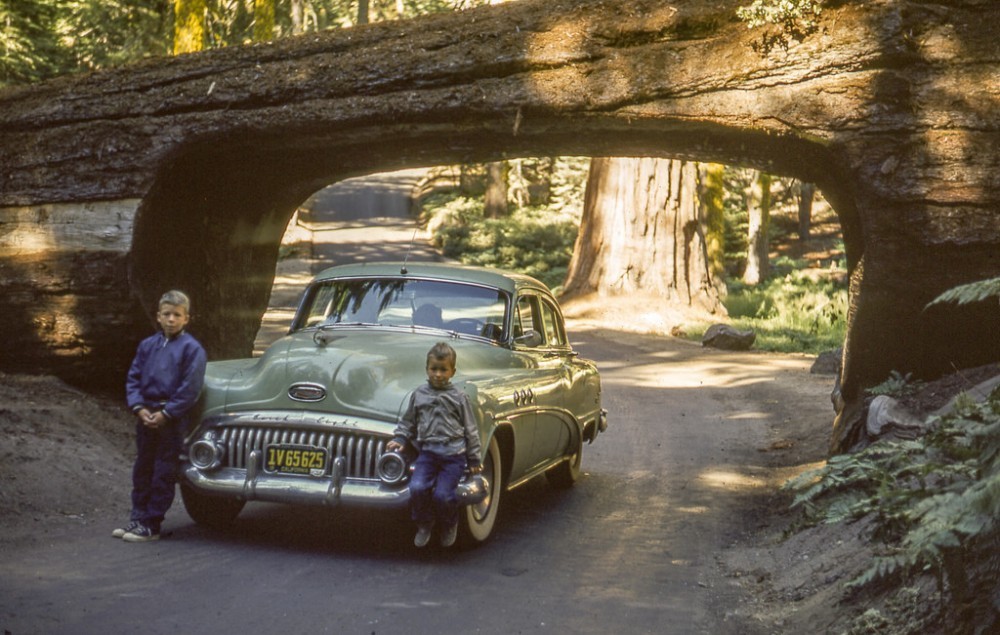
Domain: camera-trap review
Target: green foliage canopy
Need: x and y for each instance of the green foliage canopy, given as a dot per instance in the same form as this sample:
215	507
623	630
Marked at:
41	39
794	19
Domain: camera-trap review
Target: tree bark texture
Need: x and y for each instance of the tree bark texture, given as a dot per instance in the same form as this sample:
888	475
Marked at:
641	233
807	193
713	214
495	199
890	108
758	198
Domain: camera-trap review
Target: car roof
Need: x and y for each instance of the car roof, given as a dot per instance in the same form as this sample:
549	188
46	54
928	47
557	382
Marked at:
504	280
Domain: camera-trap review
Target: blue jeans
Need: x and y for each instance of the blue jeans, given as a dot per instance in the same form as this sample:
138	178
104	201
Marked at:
154	474
432	488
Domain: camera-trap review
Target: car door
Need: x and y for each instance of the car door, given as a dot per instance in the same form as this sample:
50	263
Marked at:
544	392
553	428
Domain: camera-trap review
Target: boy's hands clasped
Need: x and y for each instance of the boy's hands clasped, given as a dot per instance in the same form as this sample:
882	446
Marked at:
151	419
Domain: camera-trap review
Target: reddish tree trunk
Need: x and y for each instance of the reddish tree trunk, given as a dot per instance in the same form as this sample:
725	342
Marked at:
642	232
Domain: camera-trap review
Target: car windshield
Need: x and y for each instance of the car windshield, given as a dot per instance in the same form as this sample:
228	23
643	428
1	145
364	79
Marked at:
465	308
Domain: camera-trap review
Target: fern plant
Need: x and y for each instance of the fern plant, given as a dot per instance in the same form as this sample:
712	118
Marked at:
898	385
972	292
935	502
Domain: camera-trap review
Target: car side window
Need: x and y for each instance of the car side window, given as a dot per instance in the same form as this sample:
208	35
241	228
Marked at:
524	317
551	325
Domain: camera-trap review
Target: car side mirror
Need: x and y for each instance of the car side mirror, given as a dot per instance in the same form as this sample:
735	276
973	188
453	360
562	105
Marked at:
531	339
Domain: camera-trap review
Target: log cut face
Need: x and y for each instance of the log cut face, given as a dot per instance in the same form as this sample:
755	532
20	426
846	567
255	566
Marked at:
891	108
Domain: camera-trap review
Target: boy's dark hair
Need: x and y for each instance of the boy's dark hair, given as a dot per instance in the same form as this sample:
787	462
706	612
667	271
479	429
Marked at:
442	350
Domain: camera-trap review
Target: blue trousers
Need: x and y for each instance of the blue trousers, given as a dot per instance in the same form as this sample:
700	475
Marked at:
432	488
154	474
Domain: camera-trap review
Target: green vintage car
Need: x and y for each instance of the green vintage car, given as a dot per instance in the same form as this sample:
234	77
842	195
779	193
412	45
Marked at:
308	422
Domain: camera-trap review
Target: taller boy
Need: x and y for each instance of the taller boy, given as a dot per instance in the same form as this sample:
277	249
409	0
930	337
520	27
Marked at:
162	387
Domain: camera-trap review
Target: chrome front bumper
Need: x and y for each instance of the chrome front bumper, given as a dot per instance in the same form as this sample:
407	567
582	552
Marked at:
253	484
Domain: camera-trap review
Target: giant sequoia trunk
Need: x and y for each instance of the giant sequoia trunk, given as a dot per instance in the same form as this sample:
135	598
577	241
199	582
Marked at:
642	233
890	107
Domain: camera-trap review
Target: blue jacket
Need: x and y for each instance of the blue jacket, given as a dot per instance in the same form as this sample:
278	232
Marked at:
166	374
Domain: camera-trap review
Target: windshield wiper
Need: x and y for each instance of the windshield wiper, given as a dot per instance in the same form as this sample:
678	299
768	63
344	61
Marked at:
331	325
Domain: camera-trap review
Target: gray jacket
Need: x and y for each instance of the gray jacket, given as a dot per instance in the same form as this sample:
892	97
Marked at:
440	421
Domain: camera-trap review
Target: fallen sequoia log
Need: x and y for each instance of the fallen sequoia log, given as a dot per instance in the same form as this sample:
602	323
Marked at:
182	172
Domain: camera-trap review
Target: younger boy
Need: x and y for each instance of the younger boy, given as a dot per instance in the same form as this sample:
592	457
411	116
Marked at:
162	387
440	423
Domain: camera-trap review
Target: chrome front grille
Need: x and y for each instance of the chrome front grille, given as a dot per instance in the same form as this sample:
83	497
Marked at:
360	451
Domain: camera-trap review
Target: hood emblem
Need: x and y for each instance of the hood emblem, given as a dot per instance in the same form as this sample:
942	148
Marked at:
307	392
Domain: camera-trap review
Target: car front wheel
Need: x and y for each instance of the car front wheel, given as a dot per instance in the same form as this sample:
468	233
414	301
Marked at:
477	520
210	511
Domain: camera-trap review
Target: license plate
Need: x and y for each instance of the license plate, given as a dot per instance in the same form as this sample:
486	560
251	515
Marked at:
295	459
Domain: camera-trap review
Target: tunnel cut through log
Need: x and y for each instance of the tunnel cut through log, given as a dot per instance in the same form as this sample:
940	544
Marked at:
890	107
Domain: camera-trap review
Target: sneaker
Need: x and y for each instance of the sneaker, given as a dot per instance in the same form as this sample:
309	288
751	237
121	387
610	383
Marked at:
423	535
121	531
449	535
141	533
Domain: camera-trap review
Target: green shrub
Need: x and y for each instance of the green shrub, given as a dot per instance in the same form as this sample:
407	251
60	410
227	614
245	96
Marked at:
789	313
898	385
534	241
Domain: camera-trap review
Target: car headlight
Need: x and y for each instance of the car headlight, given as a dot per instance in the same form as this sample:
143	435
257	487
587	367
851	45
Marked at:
204	454
391	468
473	490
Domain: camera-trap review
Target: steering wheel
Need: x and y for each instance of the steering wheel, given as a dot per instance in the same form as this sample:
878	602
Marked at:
471	326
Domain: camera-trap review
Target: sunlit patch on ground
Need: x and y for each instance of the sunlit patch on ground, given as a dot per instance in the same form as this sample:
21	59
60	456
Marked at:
770	478
722	479
754	415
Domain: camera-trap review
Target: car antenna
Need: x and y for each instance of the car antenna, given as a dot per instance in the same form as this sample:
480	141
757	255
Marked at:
402	270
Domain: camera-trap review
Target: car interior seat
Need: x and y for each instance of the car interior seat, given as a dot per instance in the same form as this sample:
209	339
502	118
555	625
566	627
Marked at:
428	315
